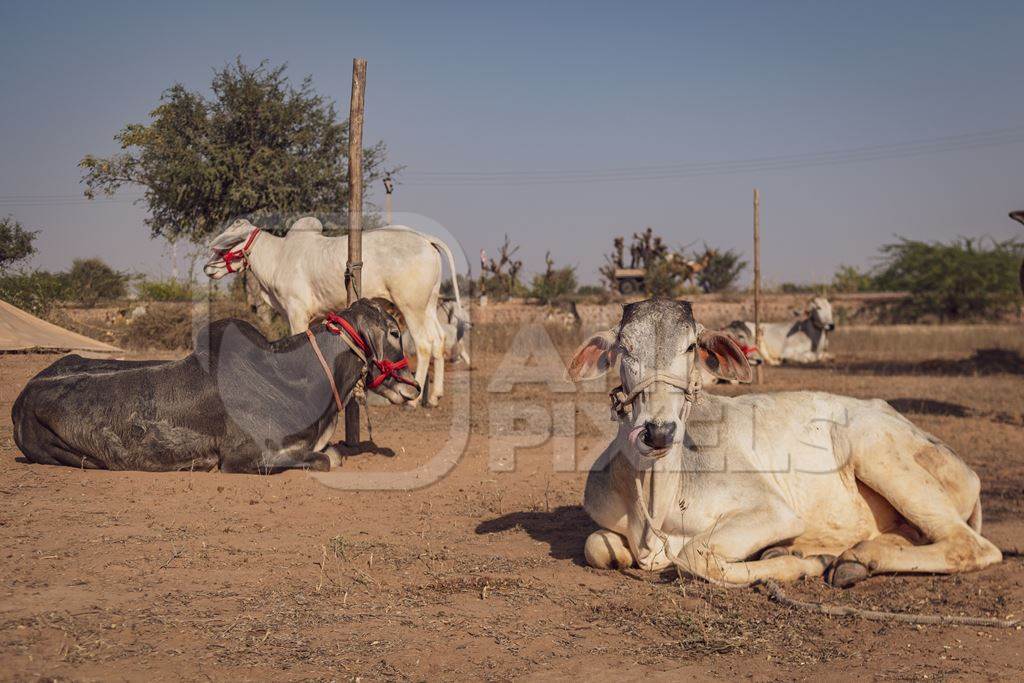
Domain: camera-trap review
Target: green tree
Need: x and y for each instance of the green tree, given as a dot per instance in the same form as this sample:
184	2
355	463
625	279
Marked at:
16	243
36	291
554	284
660	279
91	280
849	279
722	270
965	279
260	147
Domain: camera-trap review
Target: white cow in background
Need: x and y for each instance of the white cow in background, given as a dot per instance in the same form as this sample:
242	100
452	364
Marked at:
455	328
803	341
743	337
302	276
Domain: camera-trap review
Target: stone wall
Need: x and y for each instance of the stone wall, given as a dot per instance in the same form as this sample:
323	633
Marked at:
714	310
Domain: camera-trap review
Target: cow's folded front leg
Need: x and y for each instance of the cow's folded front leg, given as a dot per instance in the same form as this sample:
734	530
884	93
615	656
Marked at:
719	554
606	549
269	462
700	560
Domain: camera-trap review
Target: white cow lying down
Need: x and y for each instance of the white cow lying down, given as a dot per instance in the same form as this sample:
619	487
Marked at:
803	341
302	276
770	486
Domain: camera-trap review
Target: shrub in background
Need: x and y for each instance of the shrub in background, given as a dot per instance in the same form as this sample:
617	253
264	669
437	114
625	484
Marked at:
167	289
160	327
965	279
34	291
722	270
92	280
554	284
661	280
849	280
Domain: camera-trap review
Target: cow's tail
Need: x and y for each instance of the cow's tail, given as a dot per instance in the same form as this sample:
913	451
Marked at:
443	248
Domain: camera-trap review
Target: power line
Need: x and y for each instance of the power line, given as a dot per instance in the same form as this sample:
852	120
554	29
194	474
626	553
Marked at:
681	170
61	200
670	171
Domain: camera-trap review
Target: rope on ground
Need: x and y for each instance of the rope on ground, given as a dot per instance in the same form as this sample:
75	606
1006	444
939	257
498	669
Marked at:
776	594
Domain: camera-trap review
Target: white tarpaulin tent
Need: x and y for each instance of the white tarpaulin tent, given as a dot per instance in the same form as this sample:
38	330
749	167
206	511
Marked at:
21	331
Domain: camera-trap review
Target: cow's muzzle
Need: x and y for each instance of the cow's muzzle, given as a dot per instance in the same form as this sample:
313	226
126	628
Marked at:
648	445
408	391
215	270
658	435
398	392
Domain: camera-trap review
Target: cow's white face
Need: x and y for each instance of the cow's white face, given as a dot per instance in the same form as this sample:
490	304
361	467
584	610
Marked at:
820	312
232	238
658	336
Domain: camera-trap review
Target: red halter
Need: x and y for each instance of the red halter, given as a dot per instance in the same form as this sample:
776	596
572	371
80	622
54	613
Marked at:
242	254
748	351
386	368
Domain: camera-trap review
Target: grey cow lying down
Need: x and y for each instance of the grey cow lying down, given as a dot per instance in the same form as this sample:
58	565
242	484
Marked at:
763	486
238	402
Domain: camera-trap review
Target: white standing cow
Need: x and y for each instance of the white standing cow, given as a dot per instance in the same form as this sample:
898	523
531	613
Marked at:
803	341
455	328
770	486
302	276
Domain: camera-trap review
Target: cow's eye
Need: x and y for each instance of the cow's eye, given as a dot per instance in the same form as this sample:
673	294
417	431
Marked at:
394	334
691	347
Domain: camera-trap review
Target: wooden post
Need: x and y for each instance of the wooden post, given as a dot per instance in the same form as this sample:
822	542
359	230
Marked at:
353	270
758	336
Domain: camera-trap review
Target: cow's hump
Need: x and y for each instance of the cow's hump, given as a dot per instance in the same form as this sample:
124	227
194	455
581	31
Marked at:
309	224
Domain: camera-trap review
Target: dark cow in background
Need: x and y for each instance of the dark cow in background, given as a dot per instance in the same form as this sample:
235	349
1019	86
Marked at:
238	402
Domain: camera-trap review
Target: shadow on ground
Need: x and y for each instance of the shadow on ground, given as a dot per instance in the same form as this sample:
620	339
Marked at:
927	406
564	529
983	362
363	448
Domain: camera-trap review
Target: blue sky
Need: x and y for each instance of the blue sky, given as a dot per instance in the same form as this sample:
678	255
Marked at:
542	89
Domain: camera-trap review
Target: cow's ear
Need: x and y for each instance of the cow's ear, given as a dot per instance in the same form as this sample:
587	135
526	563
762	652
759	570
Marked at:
719	355
594	358
232	235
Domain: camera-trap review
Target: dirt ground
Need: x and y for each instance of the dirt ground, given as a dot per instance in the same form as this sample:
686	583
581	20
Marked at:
114	575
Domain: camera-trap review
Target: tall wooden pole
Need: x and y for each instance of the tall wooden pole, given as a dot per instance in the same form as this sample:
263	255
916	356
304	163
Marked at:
354	268
758	336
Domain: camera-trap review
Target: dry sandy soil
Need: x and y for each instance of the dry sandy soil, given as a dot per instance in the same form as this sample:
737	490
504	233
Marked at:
115	575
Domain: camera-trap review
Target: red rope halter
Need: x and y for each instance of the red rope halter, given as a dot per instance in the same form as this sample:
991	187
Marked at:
748	351
387	369
230	255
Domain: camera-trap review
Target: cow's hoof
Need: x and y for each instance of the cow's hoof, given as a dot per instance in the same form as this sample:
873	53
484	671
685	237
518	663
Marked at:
321	463
774	551
845	573
825	560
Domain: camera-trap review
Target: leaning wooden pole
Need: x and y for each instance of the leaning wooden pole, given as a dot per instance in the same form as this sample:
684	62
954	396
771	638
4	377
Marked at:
758	333
354	268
